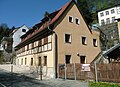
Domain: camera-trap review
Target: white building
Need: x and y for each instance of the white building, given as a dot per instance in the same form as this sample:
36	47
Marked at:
17	33
109	15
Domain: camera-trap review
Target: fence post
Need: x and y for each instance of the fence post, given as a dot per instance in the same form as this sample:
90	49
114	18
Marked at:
65	71
74	71
58	70
96	76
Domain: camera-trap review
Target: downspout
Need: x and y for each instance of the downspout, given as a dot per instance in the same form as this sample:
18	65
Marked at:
55	49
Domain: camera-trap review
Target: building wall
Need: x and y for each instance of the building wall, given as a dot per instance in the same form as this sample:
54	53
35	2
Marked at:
116	14
62	27
76	31
35	52
18	34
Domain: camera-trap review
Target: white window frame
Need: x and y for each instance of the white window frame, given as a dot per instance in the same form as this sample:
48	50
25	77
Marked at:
96	43
70	41
69	19
78	21
85	43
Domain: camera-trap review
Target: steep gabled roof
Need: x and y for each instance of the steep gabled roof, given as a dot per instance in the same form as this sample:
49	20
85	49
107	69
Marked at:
54	17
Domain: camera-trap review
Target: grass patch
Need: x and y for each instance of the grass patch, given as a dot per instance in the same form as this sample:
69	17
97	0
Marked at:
103	84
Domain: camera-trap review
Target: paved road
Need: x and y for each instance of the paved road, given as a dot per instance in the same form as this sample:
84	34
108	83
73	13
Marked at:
8	79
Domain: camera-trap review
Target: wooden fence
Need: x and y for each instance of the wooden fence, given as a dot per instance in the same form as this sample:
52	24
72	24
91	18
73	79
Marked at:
105	72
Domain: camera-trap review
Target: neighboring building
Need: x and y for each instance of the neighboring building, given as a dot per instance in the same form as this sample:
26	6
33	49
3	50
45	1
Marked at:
17	33
61	37
8	43
108	15
108	24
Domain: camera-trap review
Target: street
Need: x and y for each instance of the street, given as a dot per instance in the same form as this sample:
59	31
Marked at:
8	79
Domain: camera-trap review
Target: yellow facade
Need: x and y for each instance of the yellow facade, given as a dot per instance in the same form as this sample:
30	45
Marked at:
75	31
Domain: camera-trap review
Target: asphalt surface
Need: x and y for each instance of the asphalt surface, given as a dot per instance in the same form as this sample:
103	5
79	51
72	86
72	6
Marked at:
8	79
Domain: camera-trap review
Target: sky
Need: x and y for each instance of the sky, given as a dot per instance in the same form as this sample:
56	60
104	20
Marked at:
29	12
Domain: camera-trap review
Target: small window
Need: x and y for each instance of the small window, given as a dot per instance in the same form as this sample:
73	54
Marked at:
113	19
101	14
25	61
67	59
68	38
112	11
22	61
31	61
84	41
45	60
107	12
39	61
102	22
45	40
23	30
107	20
82	59
70	19
77	21
95	42
40	42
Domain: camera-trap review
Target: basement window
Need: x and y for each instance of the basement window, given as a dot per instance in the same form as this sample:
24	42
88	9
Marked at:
67	59
82	59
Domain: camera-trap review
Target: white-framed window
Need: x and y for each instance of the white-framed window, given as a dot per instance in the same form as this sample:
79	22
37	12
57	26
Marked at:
102	22
113	19
49	46
70	19
84	40
107	12
95	43
82	59
77	20
68	38
102	14
49	38
107	20
112	11
30	45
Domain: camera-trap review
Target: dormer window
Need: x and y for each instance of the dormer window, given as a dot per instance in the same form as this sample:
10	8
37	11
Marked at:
70	19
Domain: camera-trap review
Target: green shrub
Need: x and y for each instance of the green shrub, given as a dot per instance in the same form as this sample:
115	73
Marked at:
103	84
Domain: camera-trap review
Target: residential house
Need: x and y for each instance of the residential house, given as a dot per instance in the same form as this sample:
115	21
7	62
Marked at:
108	24
8	43
108	15
17	33
62	37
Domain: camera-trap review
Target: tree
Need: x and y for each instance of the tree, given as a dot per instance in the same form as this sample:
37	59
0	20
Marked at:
4	31
46	14
83	5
